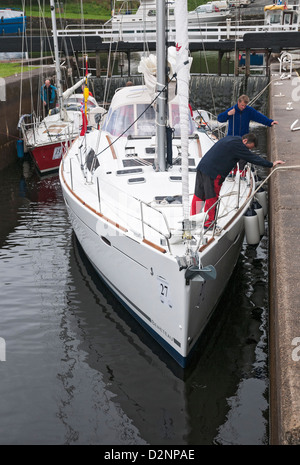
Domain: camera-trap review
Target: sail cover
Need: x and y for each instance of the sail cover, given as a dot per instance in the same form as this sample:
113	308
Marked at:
148	67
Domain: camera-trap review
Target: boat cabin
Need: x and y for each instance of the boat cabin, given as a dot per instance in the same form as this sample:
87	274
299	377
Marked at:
131	114
146	11
282	15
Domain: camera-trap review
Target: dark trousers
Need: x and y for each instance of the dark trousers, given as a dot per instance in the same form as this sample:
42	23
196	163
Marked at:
208	190
48	107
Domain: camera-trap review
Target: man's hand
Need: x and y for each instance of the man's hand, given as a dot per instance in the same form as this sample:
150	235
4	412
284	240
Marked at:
231	112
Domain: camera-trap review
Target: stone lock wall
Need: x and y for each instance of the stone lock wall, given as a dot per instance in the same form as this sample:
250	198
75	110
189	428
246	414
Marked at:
12	88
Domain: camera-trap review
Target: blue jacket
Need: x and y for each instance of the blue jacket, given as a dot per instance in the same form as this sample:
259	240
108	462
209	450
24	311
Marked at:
239	122
44	93
224	154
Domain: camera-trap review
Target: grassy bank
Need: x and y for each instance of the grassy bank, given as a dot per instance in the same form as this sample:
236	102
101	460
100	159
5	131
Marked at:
9	69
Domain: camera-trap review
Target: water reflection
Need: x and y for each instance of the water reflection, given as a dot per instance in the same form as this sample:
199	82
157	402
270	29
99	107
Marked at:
80	370
165	405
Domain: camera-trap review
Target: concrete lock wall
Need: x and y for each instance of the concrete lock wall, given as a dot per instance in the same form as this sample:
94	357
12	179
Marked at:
12	88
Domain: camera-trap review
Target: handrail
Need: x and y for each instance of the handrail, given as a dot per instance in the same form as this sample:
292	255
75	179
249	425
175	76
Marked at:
152	227
204	33
142	205
167	236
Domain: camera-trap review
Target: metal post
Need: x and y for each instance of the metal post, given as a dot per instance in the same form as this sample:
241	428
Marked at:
57	64
247	63
98	64
220	56
129	63
98	190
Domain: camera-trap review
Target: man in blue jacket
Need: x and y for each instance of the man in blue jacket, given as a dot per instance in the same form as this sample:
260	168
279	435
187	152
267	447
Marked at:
216	164
240	115
48	96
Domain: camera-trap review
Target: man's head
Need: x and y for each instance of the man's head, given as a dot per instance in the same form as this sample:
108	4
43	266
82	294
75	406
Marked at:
47	83
250	140
243	102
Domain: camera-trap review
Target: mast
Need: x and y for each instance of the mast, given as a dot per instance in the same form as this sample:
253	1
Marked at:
57	66
183	76
161	81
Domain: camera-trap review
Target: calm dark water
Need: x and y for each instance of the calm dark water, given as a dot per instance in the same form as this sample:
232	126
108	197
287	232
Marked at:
79	370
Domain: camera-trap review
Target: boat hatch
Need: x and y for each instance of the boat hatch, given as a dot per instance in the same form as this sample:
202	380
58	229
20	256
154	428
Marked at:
130	171
131	162
130	152
150	150
175	178
162	199
177	161
55	129
136	180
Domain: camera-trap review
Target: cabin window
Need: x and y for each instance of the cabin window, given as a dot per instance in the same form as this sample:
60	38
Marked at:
175	120
77	102
287	18
120	120
275	17
146	122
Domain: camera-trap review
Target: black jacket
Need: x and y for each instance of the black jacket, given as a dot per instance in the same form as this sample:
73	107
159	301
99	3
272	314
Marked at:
225	154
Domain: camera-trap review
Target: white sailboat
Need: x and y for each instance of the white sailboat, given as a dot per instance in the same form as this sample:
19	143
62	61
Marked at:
125	17
46	138
128	189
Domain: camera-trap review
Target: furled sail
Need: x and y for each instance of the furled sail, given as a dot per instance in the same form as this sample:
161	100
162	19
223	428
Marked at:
148	67
183	75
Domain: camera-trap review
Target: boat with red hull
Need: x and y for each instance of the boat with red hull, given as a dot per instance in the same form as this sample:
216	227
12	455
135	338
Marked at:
46	138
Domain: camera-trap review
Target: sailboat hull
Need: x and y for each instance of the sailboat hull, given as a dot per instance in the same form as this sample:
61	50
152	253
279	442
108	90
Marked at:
149	283
47	158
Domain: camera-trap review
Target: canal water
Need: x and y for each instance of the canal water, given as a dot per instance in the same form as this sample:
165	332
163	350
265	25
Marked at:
78	370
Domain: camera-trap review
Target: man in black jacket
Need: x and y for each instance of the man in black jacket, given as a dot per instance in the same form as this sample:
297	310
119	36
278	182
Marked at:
216	164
